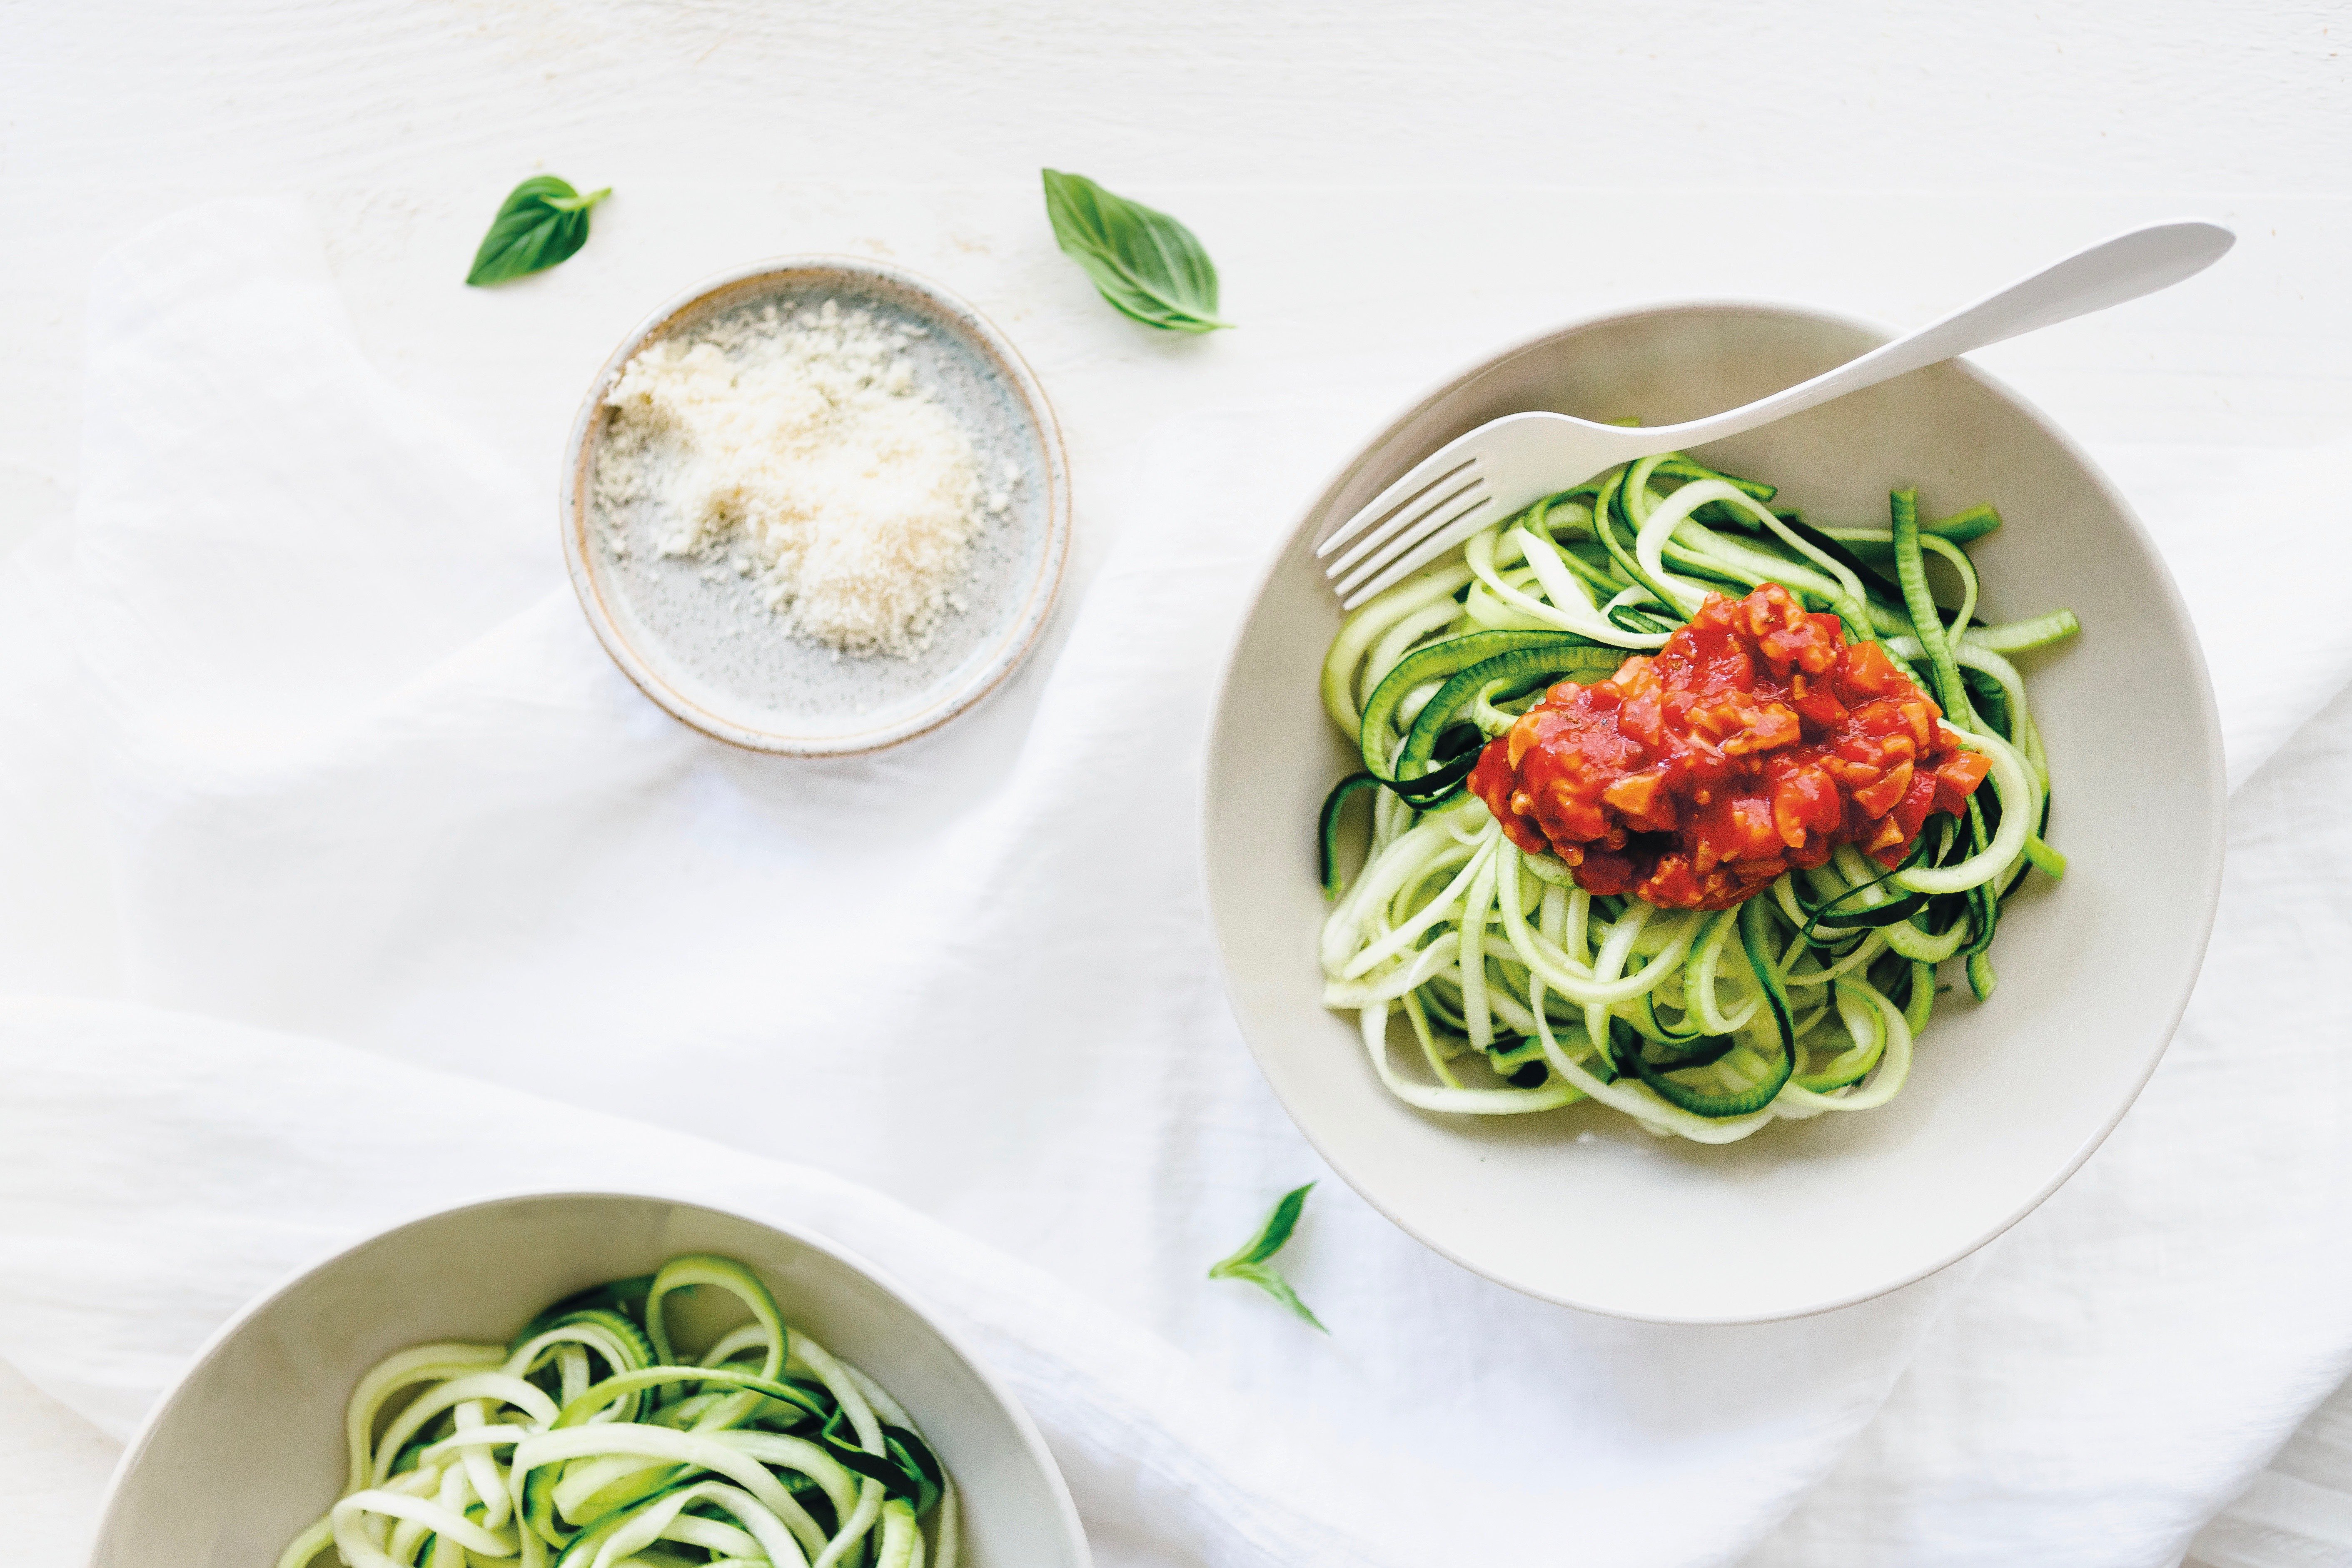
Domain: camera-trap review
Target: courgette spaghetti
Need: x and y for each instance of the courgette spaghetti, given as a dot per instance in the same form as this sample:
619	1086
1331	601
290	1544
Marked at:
590	1441
1675	804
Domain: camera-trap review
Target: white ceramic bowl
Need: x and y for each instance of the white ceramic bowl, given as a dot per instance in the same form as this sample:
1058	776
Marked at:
1579	1206
248	1447
702	645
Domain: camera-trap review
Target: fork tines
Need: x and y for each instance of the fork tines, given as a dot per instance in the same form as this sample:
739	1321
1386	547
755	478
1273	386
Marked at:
1397	523
1429	474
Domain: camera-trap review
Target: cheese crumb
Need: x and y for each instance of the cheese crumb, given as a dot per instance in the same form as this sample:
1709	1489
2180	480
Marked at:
801	453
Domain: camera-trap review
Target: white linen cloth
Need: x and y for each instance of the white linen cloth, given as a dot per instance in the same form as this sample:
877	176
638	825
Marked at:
398	857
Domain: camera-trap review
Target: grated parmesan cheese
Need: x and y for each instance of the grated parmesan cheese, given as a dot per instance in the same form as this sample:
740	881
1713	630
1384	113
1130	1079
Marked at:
799	452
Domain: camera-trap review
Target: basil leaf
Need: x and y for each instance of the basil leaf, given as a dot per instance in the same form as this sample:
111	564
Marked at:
1149	266
1275	1231
1249	1263
1275	1286
542	222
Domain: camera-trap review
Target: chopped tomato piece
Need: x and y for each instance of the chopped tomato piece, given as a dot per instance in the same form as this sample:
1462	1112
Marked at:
1881	797
1958	774
1911	814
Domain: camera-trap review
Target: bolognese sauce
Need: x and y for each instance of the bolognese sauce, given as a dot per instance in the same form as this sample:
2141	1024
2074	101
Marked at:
1755	741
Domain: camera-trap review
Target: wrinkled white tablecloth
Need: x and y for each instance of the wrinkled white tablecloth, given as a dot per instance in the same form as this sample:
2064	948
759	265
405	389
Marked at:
400	860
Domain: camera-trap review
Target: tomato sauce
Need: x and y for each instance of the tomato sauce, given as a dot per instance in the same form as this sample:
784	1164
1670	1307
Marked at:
1756	739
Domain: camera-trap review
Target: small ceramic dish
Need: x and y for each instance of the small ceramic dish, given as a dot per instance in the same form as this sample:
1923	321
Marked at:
247	1448
701	642
2005	1098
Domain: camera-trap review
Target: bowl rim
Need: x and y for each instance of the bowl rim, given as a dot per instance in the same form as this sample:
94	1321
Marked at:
2207	718
572	511
1025	1427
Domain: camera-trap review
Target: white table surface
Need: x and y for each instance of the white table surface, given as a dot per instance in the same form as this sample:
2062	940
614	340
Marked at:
1389	191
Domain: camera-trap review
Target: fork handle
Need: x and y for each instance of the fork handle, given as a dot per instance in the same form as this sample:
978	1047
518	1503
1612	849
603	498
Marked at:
2124	268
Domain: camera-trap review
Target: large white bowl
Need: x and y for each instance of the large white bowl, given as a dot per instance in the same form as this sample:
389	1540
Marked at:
248	1447
2007	1099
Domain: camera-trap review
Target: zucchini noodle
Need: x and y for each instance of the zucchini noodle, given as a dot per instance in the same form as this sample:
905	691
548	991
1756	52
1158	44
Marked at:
591	1441
1517	990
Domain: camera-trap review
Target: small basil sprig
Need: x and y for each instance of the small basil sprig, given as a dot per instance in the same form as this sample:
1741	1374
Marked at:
1147	264
542	222
1250	1262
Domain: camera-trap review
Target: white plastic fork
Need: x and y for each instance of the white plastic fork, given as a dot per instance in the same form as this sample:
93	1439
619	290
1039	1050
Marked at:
1509	464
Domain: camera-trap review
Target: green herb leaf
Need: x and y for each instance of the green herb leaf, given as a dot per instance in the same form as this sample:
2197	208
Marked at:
1250	1263
542	222
1149	266
1274	1232
1275	1286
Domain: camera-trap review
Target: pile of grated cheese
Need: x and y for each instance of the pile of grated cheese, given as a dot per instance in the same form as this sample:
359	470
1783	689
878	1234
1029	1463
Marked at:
799	451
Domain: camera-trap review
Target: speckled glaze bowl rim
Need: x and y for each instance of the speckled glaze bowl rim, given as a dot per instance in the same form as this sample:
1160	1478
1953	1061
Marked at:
1012	648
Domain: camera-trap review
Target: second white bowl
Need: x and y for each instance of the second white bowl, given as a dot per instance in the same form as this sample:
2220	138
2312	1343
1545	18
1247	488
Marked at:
248	1447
